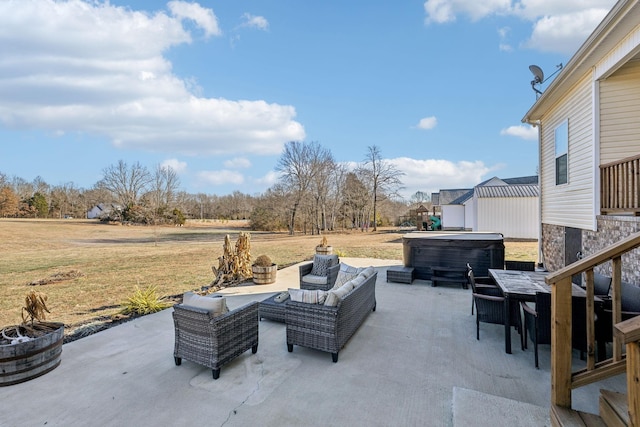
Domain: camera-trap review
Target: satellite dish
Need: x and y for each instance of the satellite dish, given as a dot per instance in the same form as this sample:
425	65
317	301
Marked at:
538	77
537	73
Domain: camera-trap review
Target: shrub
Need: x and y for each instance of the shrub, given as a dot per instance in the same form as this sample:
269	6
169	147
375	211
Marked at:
144	302
263	261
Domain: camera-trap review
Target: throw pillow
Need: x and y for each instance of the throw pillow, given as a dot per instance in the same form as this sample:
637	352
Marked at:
214	305
308	296
321	264
368	272
358	280
335	295
345	274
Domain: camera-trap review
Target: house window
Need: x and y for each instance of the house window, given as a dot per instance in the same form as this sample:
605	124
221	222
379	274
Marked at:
562	153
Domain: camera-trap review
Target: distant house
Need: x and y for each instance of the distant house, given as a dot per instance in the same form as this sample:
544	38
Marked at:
100	211
589	145
509	206
450	210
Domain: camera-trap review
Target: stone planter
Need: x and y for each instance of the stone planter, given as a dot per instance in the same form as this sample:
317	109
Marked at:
324	250
264	275
27	360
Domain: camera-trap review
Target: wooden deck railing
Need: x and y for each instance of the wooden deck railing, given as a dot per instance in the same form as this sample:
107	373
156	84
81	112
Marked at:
563	379
620	186
629	333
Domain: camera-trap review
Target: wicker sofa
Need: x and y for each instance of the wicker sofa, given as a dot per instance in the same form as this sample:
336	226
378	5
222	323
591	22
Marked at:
328	328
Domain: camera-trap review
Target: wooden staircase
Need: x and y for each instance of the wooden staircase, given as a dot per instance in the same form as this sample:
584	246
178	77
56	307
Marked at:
615	409
613	413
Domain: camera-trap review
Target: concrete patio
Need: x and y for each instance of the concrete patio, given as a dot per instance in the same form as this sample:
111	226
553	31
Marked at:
414	362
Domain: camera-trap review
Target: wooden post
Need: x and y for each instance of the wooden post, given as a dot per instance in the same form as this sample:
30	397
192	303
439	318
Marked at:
633	382
560	343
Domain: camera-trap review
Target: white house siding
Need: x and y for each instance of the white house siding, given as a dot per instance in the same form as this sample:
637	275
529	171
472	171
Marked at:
452	217
470	214
620	114
570	205
514	217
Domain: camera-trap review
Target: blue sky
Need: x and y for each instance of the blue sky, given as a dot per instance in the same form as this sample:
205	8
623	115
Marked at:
215	89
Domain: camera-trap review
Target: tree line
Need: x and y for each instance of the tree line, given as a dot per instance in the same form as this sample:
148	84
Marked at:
313	194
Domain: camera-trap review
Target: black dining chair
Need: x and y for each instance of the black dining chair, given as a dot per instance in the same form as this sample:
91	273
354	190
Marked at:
537	322
489	309
630	305
483	285
520	265
601	285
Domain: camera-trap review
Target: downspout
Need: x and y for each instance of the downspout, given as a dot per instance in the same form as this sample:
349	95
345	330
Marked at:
538	124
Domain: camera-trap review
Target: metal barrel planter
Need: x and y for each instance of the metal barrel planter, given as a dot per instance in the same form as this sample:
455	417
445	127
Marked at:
27	360
264	275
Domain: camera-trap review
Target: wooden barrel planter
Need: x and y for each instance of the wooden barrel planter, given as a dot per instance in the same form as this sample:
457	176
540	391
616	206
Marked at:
324	250
27	360
264	275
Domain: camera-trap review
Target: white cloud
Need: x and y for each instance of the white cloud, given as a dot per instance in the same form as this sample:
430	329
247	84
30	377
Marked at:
237	163
269	179
503	34
204	18
252	21
564	33
221	177
428	123
558	26
99	69
442	11
175	164
432	175
527	132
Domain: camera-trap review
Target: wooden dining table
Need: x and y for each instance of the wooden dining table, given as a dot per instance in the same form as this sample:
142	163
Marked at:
519	286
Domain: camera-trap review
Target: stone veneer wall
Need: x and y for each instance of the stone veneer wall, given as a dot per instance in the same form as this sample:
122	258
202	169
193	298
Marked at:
611	229
553	246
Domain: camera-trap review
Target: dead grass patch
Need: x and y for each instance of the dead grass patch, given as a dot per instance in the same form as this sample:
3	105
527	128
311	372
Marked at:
115	260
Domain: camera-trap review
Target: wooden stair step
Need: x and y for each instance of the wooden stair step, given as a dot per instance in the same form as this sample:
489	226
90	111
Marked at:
561	416
614	408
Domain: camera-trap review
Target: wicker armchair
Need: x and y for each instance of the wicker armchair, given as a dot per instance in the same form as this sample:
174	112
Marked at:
311	281
214	341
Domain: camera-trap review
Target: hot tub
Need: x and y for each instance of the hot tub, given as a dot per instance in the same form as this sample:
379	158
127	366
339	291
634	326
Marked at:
424	249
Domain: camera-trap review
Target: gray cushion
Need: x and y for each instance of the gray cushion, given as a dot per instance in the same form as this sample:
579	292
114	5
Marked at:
214	305
315	280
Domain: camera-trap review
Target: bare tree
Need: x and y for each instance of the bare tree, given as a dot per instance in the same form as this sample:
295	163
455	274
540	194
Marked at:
299	165
164	185
382	176
355	198
420	198
126	183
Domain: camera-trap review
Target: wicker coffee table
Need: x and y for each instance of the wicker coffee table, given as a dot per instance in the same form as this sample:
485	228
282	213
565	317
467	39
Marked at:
272	310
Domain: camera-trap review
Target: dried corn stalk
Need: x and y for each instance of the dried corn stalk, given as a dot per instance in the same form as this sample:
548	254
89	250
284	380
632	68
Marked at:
234	266
35	308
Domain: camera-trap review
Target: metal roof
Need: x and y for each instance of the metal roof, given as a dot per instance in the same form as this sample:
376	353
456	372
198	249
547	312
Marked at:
522	180
448	196
508	191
